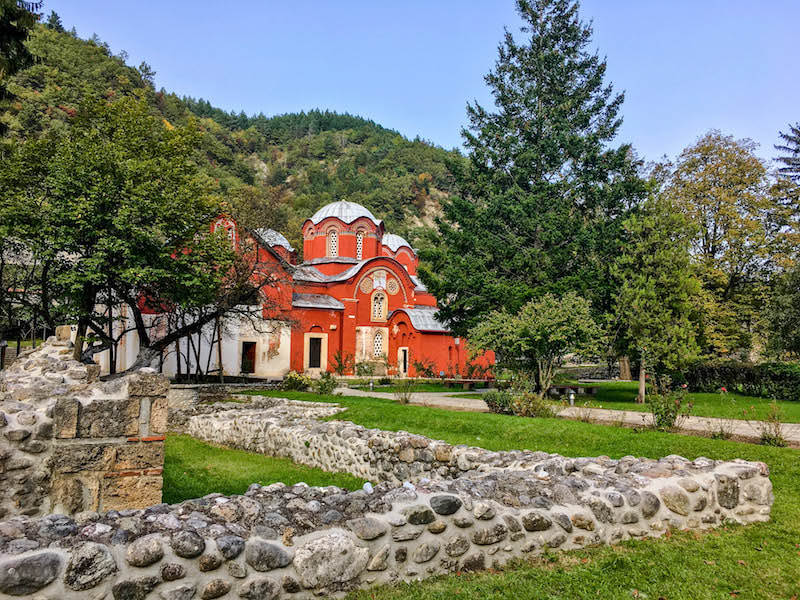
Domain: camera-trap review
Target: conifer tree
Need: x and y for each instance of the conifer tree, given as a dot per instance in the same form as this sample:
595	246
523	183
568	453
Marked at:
791	161
541	197
16	21
657	289
54	22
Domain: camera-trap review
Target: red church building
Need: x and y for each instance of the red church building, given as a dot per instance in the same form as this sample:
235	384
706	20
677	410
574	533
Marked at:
355	299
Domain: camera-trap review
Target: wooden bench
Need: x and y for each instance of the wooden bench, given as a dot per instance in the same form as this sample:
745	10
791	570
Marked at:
467	384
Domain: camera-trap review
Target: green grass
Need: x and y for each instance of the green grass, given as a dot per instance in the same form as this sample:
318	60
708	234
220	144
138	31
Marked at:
621	395
468	395
193	469
756	561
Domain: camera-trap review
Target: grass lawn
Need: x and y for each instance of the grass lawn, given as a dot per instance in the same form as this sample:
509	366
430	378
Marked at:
757	561
621	395
193	469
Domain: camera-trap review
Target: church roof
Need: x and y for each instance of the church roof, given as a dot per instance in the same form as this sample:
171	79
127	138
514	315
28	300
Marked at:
316	301
394	242
418	282
344	211
425	319
274	238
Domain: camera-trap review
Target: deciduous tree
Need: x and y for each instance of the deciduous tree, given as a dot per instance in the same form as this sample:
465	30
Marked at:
115	206
534	340
740	220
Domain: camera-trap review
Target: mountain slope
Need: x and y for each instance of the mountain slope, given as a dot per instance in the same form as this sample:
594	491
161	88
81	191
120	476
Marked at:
276	170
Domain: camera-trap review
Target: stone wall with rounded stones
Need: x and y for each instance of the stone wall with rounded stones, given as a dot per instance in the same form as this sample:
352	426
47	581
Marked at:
69	442
302	542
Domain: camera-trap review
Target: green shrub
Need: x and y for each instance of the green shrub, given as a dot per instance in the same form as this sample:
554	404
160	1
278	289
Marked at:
520	403
499	401
668	406
404	390
325	384
780	381
771	427
385	381
529	404
296	382
365	369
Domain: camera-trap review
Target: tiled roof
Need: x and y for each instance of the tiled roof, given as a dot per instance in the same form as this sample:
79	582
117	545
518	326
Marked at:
420	286
424	319
316	301
274	238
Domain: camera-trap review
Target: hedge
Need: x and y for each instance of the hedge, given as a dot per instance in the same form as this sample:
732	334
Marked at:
780	381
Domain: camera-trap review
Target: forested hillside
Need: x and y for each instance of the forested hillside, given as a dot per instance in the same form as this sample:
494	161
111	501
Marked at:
275	171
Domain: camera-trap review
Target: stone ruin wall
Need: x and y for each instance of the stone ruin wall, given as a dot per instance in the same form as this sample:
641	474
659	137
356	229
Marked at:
70	443
438	509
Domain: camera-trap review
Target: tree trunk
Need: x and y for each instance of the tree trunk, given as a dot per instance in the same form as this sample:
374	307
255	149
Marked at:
625	368
78	349
146	358
219	351
640	396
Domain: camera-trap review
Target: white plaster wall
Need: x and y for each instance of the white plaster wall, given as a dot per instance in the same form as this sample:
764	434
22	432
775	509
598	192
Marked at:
272	338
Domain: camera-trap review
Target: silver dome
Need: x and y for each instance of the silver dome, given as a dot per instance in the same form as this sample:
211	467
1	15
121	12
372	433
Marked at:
343	210
395	242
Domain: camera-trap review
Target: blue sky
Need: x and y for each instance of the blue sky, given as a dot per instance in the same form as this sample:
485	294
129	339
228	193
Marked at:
686	66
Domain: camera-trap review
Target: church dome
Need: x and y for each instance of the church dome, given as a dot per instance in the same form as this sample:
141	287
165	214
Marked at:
395	242
343	210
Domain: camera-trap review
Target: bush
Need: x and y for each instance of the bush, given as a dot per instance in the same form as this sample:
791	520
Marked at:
404	390
499	401
365	369
522	404
325	384
529	404
668	407
385	381
770	428
425	367
295	382
779	381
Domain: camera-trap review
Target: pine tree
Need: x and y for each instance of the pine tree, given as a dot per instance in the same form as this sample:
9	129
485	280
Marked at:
54	22
791	160
657	289
542	194
16	22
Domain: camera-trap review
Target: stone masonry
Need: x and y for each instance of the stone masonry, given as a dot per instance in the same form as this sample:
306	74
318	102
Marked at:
458	508
70	443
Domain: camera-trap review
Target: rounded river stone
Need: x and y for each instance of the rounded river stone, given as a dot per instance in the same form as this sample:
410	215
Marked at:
263	556
445	505
89	564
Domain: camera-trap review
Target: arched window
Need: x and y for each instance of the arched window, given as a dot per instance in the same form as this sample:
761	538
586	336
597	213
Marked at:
379	306
378	345
333	243
359	244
